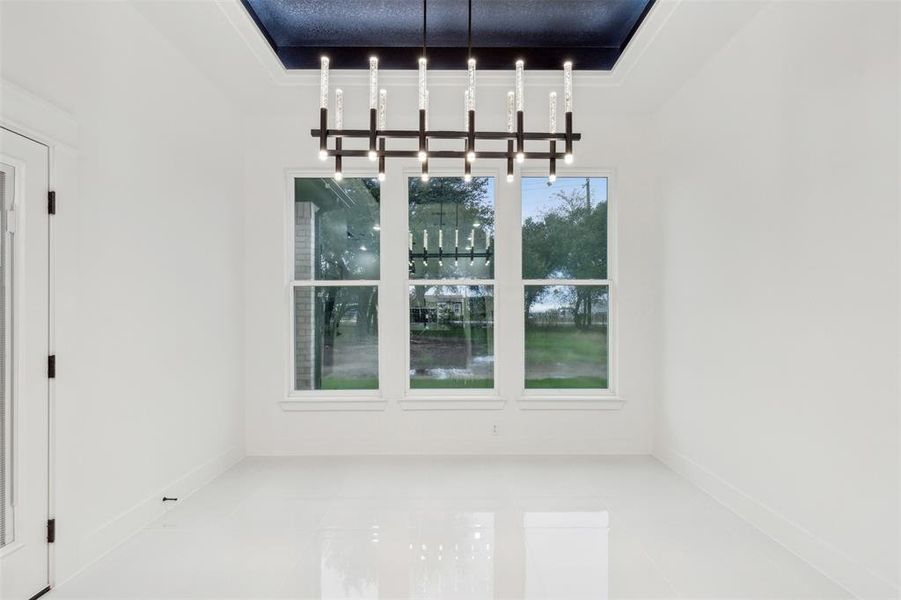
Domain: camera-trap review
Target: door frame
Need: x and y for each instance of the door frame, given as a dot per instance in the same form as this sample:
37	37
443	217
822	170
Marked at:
28	116
16	298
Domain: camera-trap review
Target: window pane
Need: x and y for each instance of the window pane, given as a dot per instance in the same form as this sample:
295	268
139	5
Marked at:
567	336
336	229
336	338
451	228
451	336
564	228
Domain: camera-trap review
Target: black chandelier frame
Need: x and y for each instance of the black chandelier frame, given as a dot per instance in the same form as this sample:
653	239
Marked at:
519	137
378	138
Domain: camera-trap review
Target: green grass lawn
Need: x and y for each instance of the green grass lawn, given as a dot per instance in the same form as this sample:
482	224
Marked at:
437	384
566	344
350	383
567	383
579	351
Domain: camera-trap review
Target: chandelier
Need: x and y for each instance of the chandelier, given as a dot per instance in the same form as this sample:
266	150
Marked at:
378	134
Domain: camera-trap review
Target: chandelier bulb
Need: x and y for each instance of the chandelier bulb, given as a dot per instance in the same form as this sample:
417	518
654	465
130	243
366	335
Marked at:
422	82
373	82
509	177
471	63
552	112
323	154
520	157
520	99
339	109
373	155
338	176
383	109
568	159
381	177
323	82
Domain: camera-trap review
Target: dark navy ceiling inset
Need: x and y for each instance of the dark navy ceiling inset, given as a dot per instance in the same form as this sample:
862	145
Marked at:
545	33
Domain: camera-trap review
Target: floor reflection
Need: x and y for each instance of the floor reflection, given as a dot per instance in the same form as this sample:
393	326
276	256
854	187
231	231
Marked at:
469	555
448	528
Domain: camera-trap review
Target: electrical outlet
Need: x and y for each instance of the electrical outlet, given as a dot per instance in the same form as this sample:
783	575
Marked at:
494	429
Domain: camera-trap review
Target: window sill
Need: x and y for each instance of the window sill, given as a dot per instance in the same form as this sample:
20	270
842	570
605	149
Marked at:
570	402
332	403
452	402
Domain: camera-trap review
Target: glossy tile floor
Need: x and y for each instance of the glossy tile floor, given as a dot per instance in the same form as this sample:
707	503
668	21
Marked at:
521	527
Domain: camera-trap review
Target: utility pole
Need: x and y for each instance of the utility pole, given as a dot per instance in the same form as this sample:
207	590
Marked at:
588	192
587	303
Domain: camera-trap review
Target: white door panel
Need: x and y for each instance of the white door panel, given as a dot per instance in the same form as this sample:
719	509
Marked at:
24	385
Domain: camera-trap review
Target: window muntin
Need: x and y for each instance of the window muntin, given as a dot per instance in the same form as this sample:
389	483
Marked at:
335	287
566	283
451	336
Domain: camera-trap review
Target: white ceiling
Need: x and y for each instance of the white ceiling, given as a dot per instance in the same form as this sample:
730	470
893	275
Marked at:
677	38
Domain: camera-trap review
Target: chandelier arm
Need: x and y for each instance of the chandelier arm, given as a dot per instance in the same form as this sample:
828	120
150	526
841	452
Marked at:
446	134
443	154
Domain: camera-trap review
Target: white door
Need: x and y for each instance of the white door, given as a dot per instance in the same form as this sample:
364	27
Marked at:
24	384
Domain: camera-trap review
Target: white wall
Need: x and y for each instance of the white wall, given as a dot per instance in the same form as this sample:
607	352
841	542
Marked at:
149	262
275	144
779	190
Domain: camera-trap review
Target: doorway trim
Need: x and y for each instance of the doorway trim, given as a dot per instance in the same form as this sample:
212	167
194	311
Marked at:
29	116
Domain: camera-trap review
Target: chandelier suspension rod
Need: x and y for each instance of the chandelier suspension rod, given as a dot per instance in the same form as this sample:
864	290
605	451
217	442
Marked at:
470	102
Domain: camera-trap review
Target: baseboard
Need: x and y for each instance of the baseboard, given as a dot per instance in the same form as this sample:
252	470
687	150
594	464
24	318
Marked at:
824	557
122	527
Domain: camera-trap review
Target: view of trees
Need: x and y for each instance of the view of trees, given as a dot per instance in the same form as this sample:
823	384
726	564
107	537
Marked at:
345	246
564	237
451	327
449	204
567	241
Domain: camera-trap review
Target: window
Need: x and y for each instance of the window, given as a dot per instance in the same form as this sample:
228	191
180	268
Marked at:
458	335
335	286
566	284
451	283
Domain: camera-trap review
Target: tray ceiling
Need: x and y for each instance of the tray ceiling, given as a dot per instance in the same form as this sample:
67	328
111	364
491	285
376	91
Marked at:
591	33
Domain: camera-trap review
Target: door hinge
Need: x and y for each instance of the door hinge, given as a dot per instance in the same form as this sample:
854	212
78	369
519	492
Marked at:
51	202
51	531
51	366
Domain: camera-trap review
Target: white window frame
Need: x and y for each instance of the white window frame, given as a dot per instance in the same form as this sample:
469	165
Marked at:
451	398
551	398
508	285
317	400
